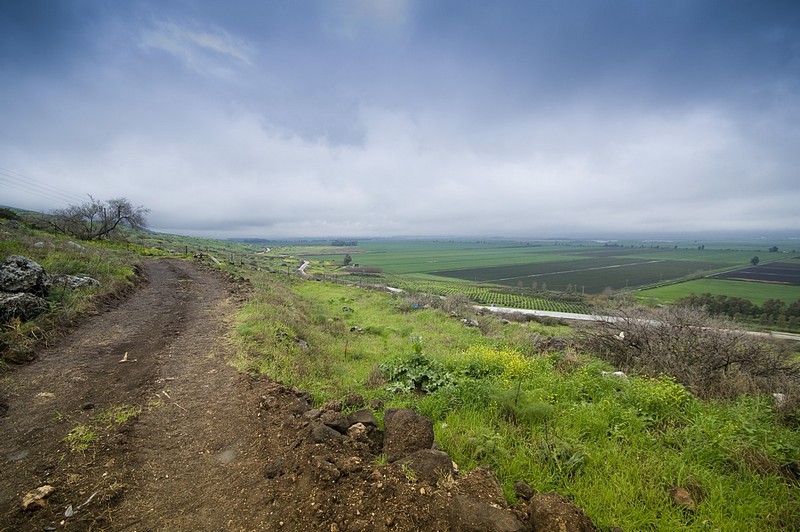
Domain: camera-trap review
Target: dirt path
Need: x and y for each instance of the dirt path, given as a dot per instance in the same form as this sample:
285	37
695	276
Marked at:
196	432
211	449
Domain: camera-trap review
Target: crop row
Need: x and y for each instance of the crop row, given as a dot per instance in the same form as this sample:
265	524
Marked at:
488	296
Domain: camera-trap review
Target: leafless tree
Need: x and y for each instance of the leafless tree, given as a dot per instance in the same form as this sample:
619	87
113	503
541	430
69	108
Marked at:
94	219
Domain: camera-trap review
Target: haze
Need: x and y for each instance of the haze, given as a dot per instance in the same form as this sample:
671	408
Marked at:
400	117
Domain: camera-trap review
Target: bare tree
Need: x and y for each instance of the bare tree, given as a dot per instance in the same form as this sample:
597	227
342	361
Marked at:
95	220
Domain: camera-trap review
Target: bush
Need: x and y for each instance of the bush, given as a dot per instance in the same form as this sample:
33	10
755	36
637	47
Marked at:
708	355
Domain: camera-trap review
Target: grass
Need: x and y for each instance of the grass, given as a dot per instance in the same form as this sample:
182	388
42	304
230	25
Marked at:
758	293
615	445
83	436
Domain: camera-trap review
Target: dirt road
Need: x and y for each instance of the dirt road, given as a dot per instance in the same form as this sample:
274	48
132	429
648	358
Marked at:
195	437
211	449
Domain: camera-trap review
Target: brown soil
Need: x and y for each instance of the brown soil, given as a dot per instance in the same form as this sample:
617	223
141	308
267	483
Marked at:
212	449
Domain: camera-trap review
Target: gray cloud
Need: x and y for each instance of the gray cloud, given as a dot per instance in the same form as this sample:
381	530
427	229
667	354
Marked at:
515	119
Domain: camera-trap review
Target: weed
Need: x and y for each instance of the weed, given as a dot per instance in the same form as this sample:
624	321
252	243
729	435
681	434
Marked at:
81	437
117	415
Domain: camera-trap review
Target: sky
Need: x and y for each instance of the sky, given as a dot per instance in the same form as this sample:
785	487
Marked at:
319	118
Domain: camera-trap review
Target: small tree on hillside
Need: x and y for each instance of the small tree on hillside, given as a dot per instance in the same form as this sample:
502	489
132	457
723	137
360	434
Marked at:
347	260
755	260
95	220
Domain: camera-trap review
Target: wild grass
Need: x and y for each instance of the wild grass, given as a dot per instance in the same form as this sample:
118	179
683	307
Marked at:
498	396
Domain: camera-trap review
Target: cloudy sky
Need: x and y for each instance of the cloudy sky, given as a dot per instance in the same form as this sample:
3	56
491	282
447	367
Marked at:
530	118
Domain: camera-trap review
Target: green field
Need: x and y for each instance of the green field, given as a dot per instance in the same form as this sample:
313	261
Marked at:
758	293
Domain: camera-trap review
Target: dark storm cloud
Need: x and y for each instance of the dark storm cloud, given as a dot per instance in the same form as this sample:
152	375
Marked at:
408	117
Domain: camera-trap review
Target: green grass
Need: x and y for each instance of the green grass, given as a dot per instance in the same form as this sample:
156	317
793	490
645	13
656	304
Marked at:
758	293
617	446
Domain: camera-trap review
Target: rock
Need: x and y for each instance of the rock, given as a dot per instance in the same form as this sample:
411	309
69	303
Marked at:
681	497
298	407
470	322
429	466
33	500
365	417
334	406
314	413
467	514
522	490
323	433
336	421
21	305
376	404
347	309
405	432
19	274
358	432
551	511
354	400
74	281
302	344
75	245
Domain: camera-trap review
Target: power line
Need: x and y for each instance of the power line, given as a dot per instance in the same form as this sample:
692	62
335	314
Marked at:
35	187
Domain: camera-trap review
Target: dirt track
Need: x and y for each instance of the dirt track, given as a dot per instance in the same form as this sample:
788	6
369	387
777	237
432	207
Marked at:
212	449
189	455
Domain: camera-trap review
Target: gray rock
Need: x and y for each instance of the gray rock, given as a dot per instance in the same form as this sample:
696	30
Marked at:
22	306
314	413
365	417
551	511
429	466
75	245
74	281
323	433
336	421
20	274
405	432
358	432
523	490
467	514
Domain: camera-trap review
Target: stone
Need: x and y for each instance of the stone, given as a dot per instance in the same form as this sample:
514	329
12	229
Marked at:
468	514
470	322
336	421
334	406
365	417
429	466
33	500
354	400
21	305
482	482
358	432
523	490
376	404
551	511
74	281
323	433
20	274
405	432
312	414
681	497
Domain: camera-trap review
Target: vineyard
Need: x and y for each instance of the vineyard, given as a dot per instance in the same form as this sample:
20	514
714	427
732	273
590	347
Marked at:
485	295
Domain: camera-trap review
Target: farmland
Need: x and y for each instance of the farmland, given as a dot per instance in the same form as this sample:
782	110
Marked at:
758	293
783	273
545	275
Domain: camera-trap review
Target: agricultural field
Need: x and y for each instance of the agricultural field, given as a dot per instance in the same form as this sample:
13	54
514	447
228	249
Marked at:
783	273
755	292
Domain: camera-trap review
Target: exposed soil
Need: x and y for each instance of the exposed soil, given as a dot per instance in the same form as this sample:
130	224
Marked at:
212	449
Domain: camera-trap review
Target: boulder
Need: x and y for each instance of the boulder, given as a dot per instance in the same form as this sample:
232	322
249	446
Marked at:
74	281
429	466
354	400
405	432
20	274
23	306
472	515
523	490
323	433
551	511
